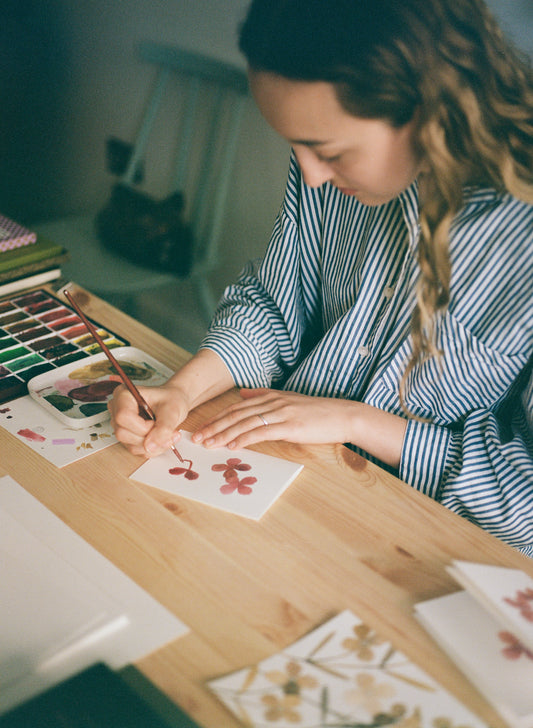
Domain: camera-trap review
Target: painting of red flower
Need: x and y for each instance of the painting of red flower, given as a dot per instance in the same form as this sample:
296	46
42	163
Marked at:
230	467
230	472
523	601
513	648
187	472
242	486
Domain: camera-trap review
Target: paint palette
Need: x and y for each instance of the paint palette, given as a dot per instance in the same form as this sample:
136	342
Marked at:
39	333
78	393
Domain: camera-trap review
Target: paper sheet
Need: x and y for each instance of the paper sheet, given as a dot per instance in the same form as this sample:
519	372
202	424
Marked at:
243	482
64	606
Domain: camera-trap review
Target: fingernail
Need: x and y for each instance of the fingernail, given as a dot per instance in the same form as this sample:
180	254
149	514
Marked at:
197	437
210	441
150	446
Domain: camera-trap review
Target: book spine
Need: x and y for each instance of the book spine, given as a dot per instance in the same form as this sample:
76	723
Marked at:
39	279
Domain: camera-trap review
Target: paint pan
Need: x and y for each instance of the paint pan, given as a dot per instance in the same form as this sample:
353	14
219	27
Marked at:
78	393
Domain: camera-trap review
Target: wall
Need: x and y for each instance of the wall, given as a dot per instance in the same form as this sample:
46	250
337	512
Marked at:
70	79
87	84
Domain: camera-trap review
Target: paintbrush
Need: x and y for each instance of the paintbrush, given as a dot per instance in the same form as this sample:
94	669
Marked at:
145	411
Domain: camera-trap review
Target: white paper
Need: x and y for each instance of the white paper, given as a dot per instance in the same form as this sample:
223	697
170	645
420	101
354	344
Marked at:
506	593
486	653
63	605
243	482
45	434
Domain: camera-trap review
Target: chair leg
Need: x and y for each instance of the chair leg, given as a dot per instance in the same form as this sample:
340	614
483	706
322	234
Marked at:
205	296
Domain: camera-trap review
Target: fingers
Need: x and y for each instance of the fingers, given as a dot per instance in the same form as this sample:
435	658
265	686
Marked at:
258	417
164	432
279	415
129	428
146	437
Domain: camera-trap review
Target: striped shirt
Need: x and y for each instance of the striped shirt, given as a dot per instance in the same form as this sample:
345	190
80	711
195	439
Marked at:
327	312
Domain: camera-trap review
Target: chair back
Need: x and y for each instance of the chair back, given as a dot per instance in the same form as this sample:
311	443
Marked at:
213	98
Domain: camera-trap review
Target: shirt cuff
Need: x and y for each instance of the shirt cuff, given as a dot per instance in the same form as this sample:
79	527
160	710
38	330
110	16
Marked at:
239	355
428	454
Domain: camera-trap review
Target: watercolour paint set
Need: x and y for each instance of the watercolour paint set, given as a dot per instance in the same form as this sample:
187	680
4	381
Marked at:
39	333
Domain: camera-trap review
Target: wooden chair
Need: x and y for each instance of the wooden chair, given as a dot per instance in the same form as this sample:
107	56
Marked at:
207	134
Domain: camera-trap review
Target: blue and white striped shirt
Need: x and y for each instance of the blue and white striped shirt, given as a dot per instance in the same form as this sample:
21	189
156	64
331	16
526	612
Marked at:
327	312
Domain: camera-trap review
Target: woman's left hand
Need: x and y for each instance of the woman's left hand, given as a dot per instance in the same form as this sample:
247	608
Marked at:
268	414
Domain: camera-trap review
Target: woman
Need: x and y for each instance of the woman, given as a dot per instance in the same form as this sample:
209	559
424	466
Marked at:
393	309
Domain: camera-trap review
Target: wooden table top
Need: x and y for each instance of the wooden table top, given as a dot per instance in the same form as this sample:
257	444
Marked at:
344	535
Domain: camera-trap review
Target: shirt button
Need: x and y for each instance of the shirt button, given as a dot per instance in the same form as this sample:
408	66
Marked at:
388	292
363	351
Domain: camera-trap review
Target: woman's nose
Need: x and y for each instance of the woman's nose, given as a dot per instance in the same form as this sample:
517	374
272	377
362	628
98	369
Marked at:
315	171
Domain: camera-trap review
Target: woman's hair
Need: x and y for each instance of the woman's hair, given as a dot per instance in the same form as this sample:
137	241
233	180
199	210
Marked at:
443	64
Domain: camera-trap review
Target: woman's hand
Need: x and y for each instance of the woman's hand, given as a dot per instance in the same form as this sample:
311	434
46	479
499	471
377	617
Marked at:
201	378
266	414
146	437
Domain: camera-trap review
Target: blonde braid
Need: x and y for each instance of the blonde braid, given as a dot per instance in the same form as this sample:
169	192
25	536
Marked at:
477	133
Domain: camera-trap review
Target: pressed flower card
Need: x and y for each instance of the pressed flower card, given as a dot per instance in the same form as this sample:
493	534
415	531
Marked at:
490	656
506	593
342	674
242	482
488	631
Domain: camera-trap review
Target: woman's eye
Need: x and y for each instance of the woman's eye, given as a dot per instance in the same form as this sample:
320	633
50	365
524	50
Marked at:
330	160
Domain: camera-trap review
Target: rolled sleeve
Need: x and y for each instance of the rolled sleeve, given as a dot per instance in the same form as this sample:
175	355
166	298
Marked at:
428	453
483	473
240	356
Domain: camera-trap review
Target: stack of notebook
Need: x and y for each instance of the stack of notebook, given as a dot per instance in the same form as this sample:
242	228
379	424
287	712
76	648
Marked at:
26	259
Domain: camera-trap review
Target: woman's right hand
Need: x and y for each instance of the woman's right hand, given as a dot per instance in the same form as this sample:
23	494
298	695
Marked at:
204	376
146	437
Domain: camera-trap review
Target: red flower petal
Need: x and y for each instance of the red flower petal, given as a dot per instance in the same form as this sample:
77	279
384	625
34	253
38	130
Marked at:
228	488
219	467
249	481
191	475
243	466
232	462
244	489
177	471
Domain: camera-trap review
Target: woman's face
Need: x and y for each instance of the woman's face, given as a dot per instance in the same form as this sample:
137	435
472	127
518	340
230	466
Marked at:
367	158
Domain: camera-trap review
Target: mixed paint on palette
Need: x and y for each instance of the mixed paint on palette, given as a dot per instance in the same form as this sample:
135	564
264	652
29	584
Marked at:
78	393
38	333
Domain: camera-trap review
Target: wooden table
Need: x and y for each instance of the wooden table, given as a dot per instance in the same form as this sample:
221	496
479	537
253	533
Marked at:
345	535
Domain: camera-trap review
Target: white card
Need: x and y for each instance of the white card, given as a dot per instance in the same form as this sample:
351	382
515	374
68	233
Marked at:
63	606
243	482
506	593
491	657
45	434
341	674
